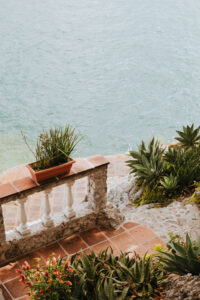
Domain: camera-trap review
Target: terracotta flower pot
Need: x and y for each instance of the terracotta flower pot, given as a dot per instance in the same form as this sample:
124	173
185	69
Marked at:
174	145
45	174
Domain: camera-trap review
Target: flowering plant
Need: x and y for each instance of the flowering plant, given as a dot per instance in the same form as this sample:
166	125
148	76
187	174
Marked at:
54	147
47	281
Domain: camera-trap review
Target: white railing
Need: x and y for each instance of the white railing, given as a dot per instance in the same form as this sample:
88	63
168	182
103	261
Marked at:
29	236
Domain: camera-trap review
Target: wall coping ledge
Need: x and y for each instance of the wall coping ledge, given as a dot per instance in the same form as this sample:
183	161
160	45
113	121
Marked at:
19	187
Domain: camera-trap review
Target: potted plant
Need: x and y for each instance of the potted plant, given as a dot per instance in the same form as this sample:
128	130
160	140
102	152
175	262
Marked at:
53	153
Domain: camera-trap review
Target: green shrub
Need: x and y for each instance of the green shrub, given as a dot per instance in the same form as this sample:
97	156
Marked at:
54	147
110	277
50	281
183	258
149	195
101	276
195	198
168	172
189	137
147	164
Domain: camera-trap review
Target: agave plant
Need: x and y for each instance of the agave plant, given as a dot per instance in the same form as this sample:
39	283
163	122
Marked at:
184	257
147	163
189	137
184	165
108	277
144	277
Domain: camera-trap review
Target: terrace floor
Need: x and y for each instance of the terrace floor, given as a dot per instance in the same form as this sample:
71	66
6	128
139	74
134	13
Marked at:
129	237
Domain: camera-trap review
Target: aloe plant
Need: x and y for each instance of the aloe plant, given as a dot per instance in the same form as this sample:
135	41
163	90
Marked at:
183	258
108	277
189	137
169	183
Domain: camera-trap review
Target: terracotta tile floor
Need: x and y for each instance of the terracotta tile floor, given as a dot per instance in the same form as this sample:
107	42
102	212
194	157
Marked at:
129	237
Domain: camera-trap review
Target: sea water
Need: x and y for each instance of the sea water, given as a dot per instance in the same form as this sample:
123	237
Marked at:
119	71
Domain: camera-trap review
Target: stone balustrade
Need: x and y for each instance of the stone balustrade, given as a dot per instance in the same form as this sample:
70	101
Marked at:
30	236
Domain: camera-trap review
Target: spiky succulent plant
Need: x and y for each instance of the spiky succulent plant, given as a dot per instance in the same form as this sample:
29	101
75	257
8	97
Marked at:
147	163
105	276
189	137
169	183
183	258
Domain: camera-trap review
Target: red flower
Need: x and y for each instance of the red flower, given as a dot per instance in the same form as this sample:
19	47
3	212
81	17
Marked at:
53	260
67	264
22	276
68	282
58	273
70	270
24	267
18	271
47	263
38	268
61	281
42	291
27	265
46	273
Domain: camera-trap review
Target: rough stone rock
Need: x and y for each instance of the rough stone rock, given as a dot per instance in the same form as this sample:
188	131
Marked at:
110	217
184	287
122	189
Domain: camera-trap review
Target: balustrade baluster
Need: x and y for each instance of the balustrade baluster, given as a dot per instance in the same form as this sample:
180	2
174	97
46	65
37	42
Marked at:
22	228
69	211
46	219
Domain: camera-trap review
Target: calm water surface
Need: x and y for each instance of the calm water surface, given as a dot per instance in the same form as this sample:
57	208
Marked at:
120	71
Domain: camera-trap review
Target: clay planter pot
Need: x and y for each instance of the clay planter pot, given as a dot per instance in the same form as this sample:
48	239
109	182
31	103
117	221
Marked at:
45	174
174	145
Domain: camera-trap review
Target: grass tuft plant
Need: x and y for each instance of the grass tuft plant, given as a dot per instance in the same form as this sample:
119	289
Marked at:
54	147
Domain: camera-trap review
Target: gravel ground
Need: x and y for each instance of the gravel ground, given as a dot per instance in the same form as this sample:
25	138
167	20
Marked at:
184	287
176	217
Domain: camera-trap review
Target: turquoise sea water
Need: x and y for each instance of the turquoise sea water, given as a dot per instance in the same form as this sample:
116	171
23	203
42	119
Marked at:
120	71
